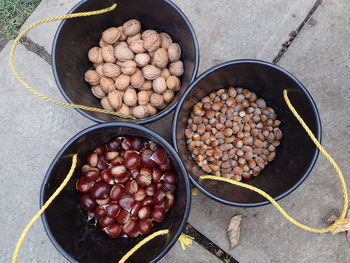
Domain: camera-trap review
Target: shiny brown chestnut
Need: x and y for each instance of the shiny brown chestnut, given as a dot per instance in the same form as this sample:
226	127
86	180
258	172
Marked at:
83	186
102	164
144	212
100	150
85	168
148	201
146	160
158	214
127	202
145	226
118	161
92	159
100	212
151	189
127	143
100	190
106	221
87	202
123	180
134	211
114	144
169	201
123	216
92	175
117	192
169	178
113	231
169	187
140	194
156	175
109	156
131	187
159	197
131	228
137	143
107	177
143	180
112	210
159	156
132	160
103	201
118	171
167	166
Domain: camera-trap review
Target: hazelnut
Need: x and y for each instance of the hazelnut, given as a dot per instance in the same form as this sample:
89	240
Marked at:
150	72
92	77
105	104
151	40
124	109
147	85
115	99
157	101
173	83
133	38
176	68
174	52
111	35
102	43
128	67
159	85
137	46
131	27
142	59
123	53
108	53
151	110
165	40
122	82
99	70
107	84
110	70
95	55
98	92
168	96
140	112
160	58
130	97
122	37
143	97
165	73
137	79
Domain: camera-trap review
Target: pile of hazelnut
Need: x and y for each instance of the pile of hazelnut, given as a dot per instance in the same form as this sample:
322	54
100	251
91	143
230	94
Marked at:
233	134
135	73
127	185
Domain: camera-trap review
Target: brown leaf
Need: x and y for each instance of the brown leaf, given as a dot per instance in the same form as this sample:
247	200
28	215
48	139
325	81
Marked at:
233	230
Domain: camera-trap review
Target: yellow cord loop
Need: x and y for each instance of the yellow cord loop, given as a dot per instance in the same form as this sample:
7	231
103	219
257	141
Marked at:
185	241
46	205
42	96
341	224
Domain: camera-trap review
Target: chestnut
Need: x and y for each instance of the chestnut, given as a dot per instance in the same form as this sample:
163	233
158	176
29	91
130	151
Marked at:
169	178
107	177
85	168
100	212
92	175
106	221
169	187
159	185
123	179
117	192
113	231
134	211
83	186
140	194
143	180
100	150
109	156
145	226
87	202
102	164
113	145
134	172
127	143
103	201
92	159
100	190
151	189
118	171
118	161
159	197
159	156
158	214
131	228
148	201
127	202
144	212
156	175
167	166
112	210
169	201
126	153
132	161
131	187
123	216
145	157
91	215
146	171
137	143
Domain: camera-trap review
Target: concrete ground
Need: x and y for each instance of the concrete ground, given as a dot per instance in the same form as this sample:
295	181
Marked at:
32	131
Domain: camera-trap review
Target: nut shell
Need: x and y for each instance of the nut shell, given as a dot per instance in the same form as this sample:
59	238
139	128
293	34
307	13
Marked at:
92	77
131	27
133	38
122	82
142	59
115	99
111	70
107	84
105	104
165	40
173	83
176	68
122	37
136	46
124	109
130	97
159	85
108	53
168	96
99	70
157	100
160	58
151	72
95	55
174	52
111	35
140	112
98	92
123	53
143	97
151	40
147	85
128	67
165	73
151	110
137	79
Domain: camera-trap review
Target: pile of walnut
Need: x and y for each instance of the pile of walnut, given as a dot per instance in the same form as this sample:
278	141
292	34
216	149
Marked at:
232	133
135	73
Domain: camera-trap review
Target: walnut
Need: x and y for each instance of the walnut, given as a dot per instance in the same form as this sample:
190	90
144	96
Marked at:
165	40
142	59
95	55
140	112
151	40
143	97
173	83
92	77
165	73
123	53
133	38
130	97
111	35
105	104
137	46
150	72
111	70
115	99
99	70
137	79
131	27
122	35
124	109
127	67
108	53
107	84
168	96
174	52
147	85
151	110
102	43
159	85
122	82
157	101
176	68
98	92
160	58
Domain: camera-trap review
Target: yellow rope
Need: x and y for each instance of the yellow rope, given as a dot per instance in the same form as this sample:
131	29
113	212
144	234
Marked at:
37	93
185	241
46	205
339	224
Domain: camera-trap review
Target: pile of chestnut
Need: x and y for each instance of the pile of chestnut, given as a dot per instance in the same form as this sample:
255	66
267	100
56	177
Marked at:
127	185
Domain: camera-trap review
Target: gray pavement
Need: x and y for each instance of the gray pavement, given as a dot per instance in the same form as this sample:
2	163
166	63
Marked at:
34	131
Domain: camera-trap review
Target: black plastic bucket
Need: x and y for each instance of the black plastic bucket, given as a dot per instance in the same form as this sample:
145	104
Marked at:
66	223
75	37
295	156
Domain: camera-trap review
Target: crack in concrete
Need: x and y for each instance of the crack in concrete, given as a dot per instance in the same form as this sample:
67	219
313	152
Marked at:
36	48
296	32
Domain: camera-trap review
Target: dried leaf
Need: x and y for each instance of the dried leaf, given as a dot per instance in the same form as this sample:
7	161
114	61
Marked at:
343	226
233	230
